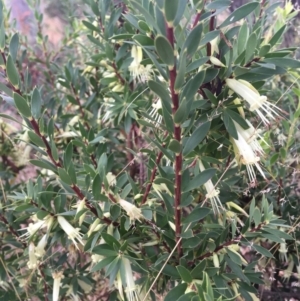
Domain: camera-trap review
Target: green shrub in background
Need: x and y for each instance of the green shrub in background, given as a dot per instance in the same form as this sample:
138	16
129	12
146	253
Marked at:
156	153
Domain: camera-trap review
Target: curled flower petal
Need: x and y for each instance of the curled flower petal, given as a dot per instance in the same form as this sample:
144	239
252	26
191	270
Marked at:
72	233
132	211
257	102
33	262
212	193
137	70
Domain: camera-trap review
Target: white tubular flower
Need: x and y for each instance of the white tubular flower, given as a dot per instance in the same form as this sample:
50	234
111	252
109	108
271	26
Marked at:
72	233
216	61
286	274
40	248
93	226
81	206
256	101
4	285
250	135
119	286
157	118
130	287
33	262
138	71
57	276
70	294
132	211
33	228
212	193
245	155
283	252
214	45
111	179
96	257
86	287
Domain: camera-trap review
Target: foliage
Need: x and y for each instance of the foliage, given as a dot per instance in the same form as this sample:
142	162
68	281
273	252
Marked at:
155	147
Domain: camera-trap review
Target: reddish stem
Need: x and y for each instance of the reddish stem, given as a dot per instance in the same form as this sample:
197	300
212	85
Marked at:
177	136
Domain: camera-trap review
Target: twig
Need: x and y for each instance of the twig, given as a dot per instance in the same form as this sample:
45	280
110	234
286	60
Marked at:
149	185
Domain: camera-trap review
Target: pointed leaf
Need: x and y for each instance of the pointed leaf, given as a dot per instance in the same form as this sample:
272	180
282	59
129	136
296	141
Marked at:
36	103
13	46
64	176
197	215
240	13
22	105
197	136
176	292
12	72
184	274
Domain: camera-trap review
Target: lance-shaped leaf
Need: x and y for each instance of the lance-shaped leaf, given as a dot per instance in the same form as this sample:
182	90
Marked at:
22	105
36	103
12	71
197	136
240	13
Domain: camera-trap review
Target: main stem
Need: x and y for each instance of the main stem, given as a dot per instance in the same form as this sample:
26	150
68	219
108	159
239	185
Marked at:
177	136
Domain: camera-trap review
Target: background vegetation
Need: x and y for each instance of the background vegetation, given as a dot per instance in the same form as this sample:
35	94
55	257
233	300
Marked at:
119	176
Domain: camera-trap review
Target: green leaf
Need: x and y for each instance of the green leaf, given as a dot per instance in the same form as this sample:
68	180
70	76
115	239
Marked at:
236	269
240	13
90	26
278	233
242	38
262	251
13	46
193	39
176	292
277	35
2	34
200	179
36	139
210	74
143	40
283	62
103	263
36	103
143	26
181	113
97	187
64	176
170	10
6	90
180	72
164	50
105	250
197	136
197	272
184	274
209	37
237	118
264	50
110	240
250	47
160	90
12	72
22	105
196	215
217	4
43	164
230	125
174	146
